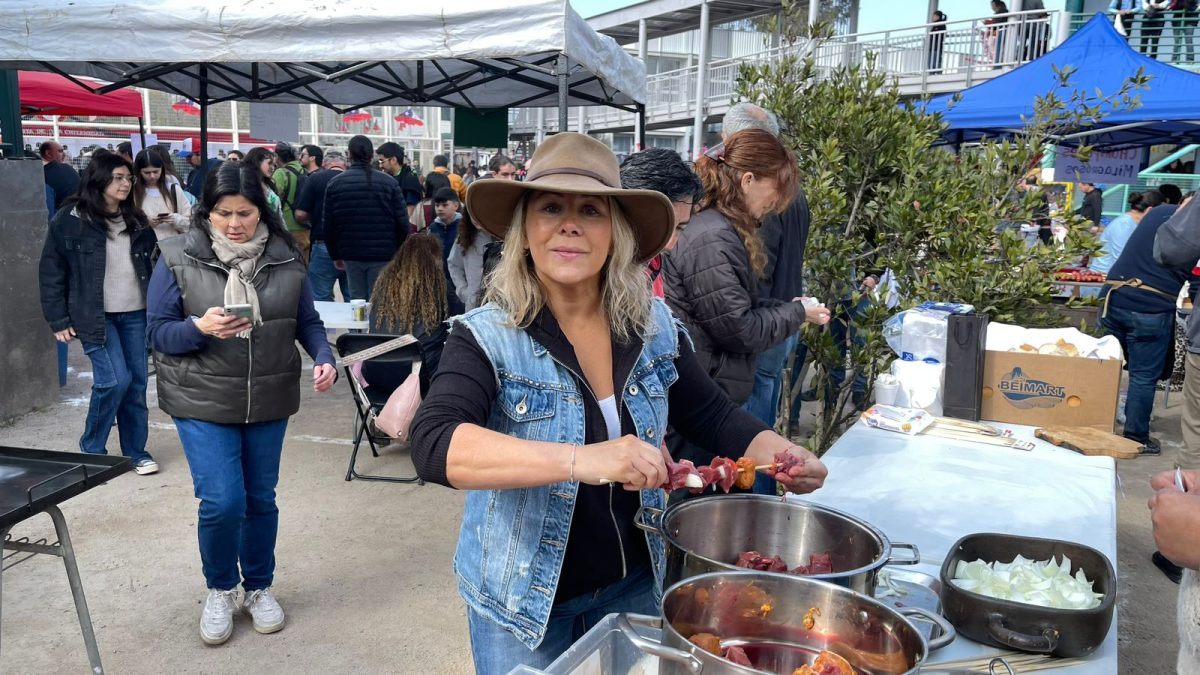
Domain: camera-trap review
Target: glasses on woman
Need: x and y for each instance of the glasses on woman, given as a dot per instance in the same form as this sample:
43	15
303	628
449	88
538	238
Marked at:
124	178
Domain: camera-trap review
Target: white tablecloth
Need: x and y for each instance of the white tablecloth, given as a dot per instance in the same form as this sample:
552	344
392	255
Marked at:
930	492
337	315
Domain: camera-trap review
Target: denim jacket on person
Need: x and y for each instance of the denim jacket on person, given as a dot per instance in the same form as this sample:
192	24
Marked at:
512	542
71	272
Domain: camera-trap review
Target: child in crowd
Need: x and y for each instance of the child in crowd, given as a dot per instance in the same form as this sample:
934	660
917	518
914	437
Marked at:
466	261
445	228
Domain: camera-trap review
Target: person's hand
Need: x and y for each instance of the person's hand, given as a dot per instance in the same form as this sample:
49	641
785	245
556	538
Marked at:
65	335
817	314
323	377
214	323
627	460
339	264
1176	519
163	218
804	477
1166	479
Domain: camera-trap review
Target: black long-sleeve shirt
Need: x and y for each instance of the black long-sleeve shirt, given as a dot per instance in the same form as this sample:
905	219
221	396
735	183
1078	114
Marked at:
464	388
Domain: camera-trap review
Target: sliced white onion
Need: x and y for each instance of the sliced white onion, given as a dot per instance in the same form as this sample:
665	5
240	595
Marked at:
694	481
1046	583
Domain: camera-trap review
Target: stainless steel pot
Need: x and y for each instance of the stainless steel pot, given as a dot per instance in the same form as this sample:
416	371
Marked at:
765	613
707	535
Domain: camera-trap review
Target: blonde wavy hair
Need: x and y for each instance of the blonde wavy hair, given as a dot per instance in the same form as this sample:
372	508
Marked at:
513	285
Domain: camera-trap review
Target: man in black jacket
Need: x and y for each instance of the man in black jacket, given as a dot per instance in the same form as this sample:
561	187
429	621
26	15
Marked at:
59	175
1093	203
366	219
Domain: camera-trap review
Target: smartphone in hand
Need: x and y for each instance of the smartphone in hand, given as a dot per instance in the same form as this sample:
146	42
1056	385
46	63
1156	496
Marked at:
240	311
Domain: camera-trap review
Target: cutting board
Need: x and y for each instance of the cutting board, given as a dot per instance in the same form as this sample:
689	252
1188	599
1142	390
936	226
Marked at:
1090	441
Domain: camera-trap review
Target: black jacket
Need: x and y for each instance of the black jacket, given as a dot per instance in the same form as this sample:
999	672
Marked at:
784	236
1093	206
71	273
710	286
366	219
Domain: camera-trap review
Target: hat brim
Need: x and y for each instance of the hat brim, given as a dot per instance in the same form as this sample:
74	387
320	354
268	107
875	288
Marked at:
491	203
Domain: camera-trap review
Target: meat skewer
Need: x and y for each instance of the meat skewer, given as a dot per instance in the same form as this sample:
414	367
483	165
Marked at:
722	472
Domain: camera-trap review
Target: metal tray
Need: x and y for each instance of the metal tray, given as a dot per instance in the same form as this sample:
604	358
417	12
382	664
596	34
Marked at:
31	480
917	589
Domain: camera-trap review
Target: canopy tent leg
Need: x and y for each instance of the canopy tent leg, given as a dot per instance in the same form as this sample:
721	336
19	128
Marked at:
639	131
203	114
564	89
142	131
10	115
641	128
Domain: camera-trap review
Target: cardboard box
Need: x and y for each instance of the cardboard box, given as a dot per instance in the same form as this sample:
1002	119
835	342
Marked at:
1039	390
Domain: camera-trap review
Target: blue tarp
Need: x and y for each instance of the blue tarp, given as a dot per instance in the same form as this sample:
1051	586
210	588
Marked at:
1103	60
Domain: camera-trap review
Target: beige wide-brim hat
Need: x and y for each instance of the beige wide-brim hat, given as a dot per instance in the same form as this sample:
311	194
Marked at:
571	163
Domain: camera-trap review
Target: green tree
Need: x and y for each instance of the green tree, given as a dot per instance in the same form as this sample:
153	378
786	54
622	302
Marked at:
886	195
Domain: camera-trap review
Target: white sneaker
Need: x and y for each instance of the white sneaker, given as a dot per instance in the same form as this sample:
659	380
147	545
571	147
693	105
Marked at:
262	606
216	623
145	467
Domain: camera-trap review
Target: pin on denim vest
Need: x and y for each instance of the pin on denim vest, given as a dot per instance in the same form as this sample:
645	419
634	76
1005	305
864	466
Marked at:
512	542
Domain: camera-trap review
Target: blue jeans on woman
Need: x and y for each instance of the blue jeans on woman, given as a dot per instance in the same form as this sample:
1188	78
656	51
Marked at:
119	374
1146	339
496	651
235	468
764	398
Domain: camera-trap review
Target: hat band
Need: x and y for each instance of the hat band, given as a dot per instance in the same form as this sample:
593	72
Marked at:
566	170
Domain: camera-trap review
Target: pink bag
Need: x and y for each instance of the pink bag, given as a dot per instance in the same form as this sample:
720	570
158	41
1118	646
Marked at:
397	415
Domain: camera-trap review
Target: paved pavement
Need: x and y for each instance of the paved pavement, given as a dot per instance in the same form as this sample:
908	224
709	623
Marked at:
363	568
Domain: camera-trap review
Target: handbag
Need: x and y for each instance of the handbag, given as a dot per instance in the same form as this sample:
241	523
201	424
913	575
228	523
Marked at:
396	417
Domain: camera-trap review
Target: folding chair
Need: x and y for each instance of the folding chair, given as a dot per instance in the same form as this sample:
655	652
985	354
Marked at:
372	399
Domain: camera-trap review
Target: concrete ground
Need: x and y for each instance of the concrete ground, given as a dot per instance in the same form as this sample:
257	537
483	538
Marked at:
363	568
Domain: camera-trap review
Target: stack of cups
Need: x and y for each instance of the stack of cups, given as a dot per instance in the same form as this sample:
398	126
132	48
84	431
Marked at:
887	386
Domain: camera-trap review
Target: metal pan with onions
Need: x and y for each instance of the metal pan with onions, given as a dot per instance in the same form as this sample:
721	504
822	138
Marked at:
764	614
707	535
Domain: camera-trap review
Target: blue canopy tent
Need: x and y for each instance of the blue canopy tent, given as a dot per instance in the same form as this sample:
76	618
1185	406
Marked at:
1169	110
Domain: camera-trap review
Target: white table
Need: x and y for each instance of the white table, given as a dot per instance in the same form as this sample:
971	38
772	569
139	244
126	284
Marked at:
337	315
930	492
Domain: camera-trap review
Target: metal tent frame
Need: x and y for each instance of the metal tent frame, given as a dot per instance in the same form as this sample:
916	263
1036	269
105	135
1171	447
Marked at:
343	57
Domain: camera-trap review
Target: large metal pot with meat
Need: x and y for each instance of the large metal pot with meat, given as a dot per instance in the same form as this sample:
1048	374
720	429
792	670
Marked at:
708	535
779	622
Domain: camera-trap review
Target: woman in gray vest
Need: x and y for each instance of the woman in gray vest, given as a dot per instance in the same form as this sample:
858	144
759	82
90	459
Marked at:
227	303
550	404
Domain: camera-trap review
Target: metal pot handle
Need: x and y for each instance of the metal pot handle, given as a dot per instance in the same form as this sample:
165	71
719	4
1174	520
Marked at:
945	632
654	525
625	624
915	559
1045	643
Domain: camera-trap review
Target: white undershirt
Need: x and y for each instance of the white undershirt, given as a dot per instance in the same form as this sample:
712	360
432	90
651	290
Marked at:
612	418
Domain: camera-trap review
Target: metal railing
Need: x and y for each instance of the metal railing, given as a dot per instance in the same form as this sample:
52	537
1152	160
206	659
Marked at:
954	55
1170	37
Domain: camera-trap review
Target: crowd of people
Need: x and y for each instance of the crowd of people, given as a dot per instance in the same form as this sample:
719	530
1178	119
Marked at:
579	330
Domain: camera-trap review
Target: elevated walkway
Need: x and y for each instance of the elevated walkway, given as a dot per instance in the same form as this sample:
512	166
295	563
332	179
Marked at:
924	61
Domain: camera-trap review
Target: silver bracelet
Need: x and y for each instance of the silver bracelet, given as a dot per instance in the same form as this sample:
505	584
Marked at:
573	448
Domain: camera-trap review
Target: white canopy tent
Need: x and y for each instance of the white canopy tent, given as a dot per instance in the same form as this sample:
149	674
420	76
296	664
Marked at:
342	55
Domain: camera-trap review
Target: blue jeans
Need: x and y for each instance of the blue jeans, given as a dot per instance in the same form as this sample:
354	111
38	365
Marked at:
496	651
235	468
322	274
119	374
361	276
1146	339
764	398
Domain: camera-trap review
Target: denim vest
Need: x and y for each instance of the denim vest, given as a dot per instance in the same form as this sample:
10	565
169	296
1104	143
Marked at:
512	543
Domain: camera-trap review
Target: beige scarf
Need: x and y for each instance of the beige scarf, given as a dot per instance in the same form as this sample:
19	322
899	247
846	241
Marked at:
241	259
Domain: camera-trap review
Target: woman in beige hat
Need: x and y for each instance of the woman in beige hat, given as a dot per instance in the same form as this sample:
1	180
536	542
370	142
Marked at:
550	405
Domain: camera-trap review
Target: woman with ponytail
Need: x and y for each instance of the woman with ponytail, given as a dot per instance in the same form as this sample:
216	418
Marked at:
712	273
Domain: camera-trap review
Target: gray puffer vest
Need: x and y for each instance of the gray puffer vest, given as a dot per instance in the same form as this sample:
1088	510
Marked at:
234	381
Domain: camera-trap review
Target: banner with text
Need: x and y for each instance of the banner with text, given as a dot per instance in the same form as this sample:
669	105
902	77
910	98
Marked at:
1107	167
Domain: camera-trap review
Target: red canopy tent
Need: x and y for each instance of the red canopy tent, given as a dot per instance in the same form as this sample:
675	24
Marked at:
53	94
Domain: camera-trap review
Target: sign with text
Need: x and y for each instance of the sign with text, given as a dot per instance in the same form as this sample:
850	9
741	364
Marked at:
1108	167
275	121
